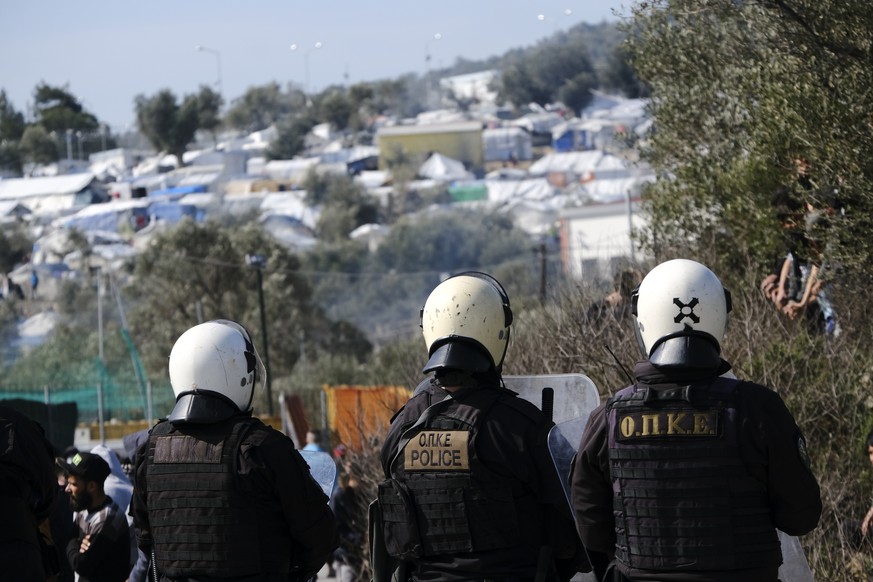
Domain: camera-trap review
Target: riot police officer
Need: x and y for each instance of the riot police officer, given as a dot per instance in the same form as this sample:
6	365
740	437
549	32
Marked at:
217	493
470	490
688	473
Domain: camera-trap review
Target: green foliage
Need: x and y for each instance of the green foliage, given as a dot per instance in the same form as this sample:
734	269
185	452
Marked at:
37	146
263	106
11	121
553	69
15	244
168	125
291	137
198	272
58	110
336	108
345	205
209	104
742	90
382	292
620	77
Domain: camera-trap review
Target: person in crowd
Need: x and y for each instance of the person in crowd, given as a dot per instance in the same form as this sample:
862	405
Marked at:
312	441
100	549
119	487
686	474
217	493
28	492
617	303
860	533
471	492
351	523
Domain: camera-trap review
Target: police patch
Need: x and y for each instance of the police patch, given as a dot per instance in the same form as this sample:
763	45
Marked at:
668	423
437	450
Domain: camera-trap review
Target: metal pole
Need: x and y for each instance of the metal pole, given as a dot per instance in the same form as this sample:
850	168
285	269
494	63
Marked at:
100	420
269	382
630	224
217	54
149	402
542	273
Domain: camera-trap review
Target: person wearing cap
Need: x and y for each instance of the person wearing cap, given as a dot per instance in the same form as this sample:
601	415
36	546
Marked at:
686	474
100	550
470	491
217	493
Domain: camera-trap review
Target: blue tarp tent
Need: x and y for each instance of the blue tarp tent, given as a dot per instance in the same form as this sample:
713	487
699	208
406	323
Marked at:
178	191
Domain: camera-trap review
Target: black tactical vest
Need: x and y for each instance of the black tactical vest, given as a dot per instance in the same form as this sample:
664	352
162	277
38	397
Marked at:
200	522
683	498
441	499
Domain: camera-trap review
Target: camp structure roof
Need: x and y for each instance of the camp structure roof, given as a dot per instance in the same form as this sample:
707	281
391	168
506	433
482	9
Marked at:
430	128
23	188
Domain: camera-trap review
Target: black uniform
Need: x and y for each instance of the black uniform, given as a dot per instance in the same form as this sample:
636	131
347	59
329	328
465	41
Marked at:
686	476
28	490
229	500
471	492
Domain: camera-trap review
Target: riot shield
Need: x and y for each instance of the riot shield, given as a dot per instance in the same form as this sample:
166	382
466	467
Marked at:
794	566
322	468
575	395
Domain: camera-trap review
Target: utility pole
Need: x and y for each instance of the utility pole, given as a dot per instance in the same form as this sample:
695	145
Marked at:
259	262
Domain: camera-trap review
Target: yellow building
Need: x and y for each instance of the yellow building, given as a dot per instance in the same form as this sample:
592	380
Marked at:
461	141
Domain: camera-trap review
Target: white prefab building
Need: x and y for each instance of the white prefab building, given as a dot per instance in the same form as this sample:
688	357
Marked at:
55	195
595	238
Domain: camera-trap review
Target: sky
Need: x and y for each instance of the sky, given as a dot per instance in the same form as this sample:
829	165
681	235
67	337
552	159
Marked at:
106	53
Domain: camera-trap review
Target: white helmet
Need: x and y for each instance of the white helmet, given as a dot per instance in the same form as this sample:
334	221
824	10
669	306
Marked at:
681	312
216	356
465	322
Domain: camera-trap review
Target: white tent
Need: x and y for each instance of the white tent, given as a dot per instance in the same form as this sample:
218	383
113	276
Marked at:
578	163
440	167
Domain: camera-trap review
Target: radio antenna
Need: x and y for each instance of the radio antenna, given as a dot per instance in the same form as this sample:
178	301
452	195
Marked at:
620	365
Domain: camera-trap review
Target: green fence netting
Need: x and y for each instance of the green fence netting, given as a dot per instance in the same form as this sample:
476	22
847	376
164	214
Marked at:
123	400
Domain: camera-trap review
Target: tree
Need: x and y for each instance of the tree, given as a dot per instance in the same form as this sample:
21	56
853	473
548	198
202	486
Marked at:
58	110
336	108
290	137
209	105
263	106
11	129
345	205
15	245
199	270
167	125
11	121
38	147
541	75
620	76
740	92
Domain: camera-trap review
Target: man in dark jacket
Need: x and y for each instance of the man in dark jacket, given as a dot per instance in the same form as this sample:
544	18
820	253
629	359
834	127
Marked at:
687	474
470	490
28	489
100	549
218	494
